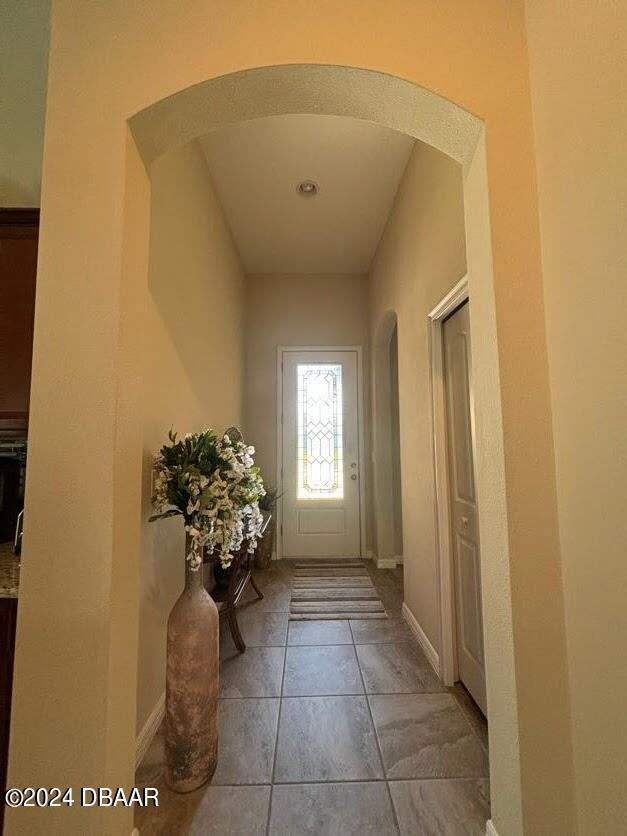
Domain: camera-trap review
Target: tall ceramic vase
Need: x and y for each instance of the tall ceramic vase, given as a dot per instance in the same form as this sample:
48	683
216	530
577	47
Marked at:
191	698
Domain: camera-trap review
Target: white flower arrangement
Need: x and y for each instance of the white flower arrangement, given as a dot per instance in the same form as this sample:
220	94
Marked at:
213	483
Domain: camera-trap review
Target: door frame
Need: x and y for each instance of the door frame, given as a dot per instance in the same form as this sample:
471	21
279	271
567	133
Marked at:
442	505
281	351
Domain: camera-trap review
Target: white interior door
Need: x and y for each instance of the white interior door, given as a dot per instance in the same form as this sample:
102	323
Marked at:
320	454
463	502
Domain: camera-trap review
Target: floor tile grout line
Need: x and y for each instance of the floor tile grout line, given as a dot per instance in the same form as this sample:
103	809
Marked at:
350	627
331	644
435	778
378	742
328	644
276	739
361	694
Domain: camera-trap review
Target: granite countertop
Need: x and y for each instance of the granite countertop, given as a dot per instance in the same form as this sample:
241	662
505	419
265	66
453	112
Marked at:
9	571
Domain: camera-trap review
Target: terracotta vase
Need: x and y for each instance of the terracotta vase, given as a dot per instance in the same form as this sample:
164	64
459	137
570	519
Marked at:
191	697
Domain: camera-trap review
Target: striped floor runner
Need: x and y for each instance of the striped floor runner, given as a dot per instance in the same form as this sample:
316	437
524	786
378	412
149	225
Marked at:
333	588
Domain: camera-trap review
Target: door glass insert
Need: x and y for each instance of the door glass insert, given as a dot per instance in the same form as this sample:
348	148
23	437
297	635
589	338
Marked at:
320	453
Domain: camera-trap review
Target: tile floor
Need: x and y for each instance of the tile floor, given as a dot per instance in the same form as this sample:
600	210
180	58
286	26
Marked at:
331	728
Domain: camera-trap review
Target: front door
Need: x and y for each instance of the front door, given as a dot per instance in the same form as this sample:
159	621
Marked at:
463	501
320	453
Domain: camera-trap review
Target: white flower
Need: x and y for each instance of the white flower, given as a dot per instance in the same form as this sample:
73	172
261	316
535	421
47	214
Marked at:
195	560
193	532
220	506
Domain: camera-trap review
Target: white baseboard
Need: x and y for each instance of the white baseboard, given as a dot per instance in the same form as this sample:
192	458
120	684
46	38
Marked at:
386	563
429	650
490	829
274	556
144	738
399	559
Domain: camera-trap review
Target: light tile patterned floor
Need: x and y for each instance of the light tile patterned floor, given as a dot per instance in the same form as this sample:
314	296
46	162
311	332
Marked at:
331	727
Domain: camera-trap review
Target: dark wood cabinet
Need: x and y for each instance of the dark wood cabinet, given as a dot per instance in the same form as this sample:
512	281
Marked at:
8	617
19	237
19	234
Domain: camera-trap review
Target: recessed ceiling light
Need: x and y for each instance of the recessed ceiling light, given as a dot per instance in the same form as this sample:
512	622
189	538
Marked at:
308	188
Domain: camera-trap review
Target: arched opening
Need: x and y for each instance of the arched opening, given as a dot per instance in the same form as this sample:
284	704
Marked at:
386	441
306	88
341	91
402	106
387	455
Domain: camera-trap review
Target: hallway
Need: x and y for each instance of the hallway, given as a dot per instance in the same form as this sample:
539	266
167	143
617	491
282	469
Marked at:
225	183
331	727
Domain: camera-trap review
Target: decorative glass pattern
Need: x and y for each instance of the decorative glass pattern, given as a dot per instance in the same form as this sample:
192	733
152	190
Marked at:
320	453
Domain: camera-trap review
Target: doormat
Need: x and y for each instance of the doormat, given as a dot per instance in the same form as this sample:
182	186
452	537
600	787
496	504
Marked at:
333	589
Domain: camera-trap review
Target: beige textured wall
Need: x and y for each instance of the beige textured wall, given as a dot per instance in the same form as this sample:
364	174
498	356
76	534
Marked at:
578	57
420	258
108	61
24	36
193	367
296	310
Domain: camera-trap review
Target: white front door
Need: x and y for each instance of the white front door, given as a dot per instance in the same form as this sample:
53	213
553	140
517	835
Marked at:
320	453
464	511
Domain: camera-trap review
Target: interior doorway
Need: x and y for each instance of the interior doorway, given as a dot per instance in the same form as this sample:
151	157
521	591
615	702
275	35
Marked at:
395	443
319	452
463	505
461	608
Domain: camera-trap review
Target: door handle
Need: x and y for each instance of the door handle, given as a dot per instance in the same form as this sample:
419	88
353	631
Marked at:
464	521
354	477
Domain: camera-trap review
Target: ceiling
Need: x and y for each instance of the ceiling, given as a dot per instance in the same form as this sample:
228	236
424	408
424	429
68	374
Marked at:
256	167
